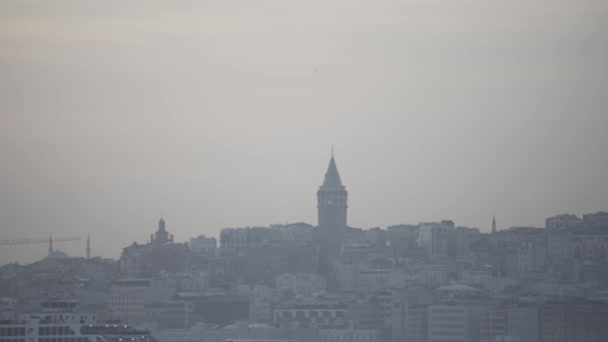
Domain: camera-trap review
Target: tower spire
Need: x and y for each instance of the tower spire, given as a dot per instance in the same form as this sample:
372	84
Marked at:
332	176
493	224
50	244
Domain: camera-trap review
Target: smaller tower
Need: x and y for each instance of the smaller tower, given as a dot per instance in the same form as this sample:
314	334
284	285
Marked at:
50	244
161	236
493	224
88	247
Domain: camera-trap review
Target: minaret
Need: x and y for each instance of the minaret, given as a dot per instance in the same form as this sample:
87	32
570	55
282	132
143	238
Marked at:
493	224
161	225
50	244
332	204
88	247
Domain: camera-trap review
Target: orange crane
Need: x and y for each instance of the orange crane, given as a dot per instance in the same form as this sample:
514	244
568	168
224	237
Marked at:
36	240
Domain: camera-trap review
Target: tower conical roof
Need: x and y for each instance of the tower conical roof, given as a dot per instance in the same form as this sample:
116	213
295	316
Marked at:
332	177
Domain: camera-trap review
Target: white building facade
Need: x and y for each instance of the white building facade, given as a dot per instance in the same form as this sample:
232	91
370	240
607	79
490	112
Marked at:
306	285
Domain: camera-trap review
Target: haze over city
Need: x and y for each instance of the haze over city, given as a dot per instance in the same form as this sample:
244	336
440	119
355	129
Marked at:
223	114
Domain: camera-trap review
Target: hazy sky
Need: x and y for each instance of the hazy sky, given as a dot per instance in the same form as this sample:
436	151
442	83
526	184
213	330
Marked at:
223	113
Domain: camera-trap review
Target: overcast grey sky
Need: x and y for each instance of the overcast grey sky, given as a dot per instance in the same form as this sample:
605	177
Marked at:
223	113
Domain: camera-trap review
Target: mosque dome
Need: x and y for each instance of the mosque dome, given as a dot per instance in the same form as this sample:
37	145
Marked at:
58	255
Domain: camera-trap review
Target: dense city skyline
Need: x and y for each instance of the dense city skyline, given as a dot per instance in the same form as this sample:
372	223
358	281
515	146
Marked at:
430	282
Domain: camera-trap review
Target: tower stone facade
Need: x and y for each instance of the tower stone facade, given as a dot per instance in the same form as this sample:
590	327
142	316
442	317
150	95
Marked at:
332	205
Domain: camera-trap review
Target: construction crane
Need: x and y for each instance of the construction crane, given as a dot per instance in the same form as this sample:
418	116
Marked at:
36	240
